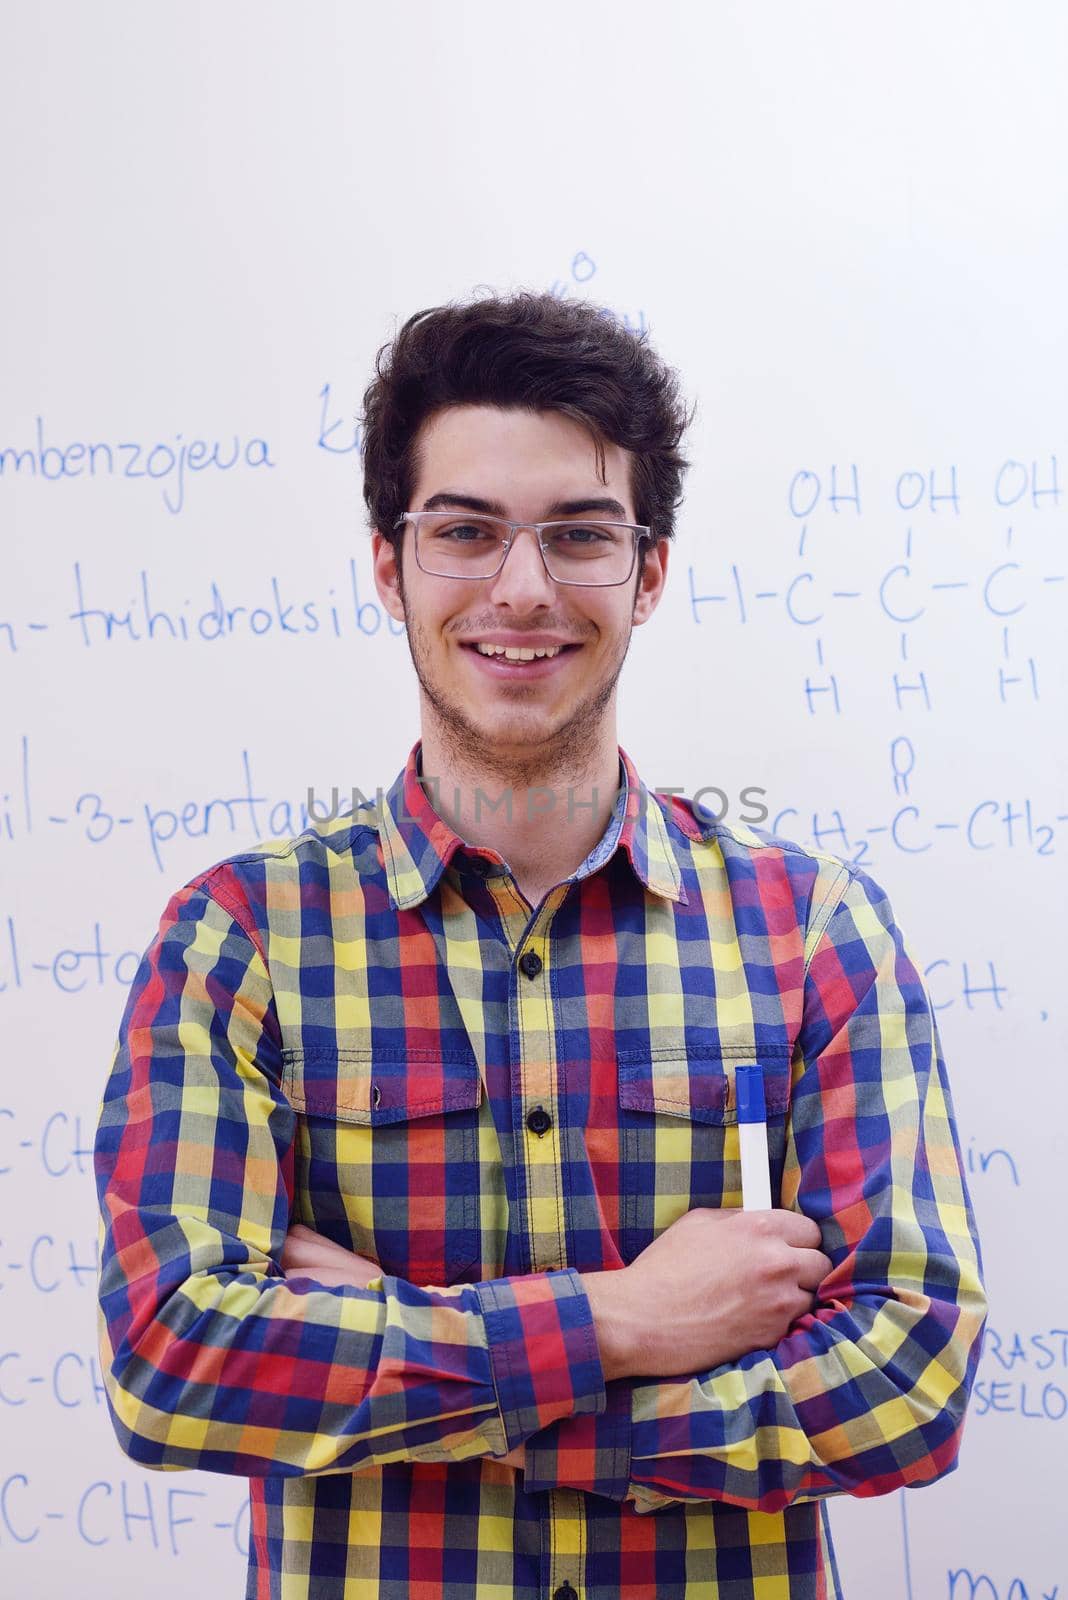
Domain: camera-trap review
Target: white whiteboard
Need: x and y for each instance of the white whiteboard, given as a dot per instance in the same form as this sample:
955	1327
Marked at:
846	226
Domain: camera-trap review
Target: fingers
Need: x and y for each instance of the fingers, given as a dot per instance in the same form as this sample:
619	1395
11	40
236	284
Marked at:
303	1240
310	1254
301	1248
799	1231
304	1243
790	1226
812	1267
357	1271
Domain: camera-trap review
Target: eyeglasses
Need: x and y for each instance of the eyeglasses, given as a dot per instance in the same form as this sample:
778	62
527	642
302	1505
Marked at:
449	544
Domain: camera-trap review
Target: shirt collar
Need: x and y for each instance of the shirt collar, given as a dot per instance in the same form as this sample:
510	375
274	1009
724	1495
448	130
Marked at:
418	844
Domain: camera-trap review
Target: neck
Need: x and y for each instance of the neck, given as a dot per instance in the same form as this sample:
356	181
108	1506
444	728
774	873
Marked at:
543	817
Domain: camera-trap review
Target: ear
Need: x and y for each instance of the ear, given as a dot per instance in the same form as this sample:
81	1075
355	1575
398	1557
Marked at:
387	574
653	579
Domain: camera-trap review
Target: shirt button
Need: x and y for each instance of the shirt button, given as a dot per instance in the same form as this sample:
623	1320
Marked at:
565	1592
530	963
539	1121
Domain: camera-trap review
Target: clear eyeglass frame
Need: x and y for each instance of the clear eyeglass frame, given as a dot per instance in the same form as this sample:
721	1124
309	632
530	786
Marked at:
639	531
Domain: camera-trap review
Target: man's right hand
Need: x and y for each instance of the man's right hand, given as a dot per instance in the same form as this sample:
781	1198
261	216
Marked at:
715	1285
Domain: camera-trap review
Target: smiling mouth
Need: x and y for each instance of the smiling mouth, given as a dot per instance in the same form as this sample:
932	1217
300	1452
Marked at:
523	666
520	656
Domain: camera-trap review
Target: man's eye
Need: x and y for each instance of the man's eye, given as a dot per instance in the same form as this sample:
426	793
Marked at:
464	532
581	535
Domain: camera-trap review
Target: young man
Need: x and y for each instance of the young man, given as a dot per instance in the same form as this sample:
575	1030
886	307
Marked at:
419	1158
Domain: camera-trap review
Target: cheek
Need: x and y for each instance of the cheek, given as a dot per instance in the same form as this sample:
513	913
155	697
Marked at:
426	628
614	627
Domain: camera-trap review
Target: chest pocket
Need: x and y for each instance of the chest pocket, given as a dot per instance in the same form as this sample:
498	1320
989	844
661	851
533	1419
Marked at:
387	1155
679	1126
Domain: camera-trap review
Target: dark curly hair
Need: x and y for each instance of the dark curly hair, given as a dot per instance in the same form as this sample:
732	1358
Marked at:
535	351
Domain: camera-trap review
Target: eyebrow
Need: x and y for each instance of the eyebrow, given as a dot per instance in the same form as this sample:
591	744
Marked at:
493	508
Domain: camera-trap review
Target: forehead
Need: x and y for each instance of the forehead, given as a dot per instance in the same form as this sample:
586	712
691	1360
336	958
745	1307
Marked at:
516	456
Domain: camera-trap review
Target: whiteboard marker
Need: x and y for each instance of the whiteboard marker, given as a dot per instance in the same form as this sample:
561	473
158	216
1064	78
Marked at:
753	1139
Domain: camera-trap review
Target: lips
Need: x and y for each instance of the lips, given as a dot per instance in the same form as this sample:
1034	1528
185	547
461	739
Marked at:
557	645
539	667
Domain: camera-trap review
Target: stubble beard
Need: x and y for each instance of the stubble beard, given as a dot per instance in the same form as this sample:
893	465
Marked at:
564	753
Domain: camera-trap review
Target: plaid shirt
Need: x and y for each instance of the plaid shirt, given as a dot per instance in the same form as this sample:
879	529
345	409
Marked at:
369	1030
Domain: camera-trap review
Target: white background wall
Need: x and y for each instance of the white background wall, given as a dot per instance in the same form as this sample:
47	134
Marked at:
846	226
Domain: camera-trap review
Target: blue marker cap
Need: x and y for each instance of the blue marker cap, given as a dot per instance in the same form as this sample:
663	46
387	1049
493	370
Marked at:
749	1082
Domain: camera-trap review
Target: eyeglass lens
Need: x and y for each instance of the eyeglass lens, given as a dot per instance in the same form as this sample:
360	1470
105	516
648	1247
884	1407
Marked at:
452	545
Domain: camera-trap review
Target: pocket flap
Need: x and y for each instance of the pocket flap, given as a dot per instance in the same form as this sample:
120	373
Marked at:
699	1083
379	1084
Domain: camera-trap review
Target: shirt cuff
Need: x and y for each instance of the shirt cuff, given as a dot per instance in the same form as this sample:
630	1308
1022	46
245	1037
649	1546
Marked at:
585	1452
543	1350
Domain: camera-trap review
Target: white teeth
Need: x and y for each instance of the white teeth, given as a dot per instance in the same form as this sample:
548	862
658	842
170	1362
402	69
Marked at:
513	653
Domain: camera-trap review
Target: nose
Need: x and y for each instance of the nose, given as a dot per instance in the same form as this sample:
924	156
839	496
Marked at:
523	582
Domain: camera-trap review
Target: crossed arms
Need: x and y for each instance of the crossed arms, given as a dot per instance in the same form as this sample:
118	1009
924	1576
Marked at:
219	1353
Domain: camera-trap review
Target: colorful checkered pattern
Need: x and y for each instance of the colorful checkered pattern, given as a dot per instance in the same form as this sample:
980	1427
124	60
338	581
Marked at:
369	1030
